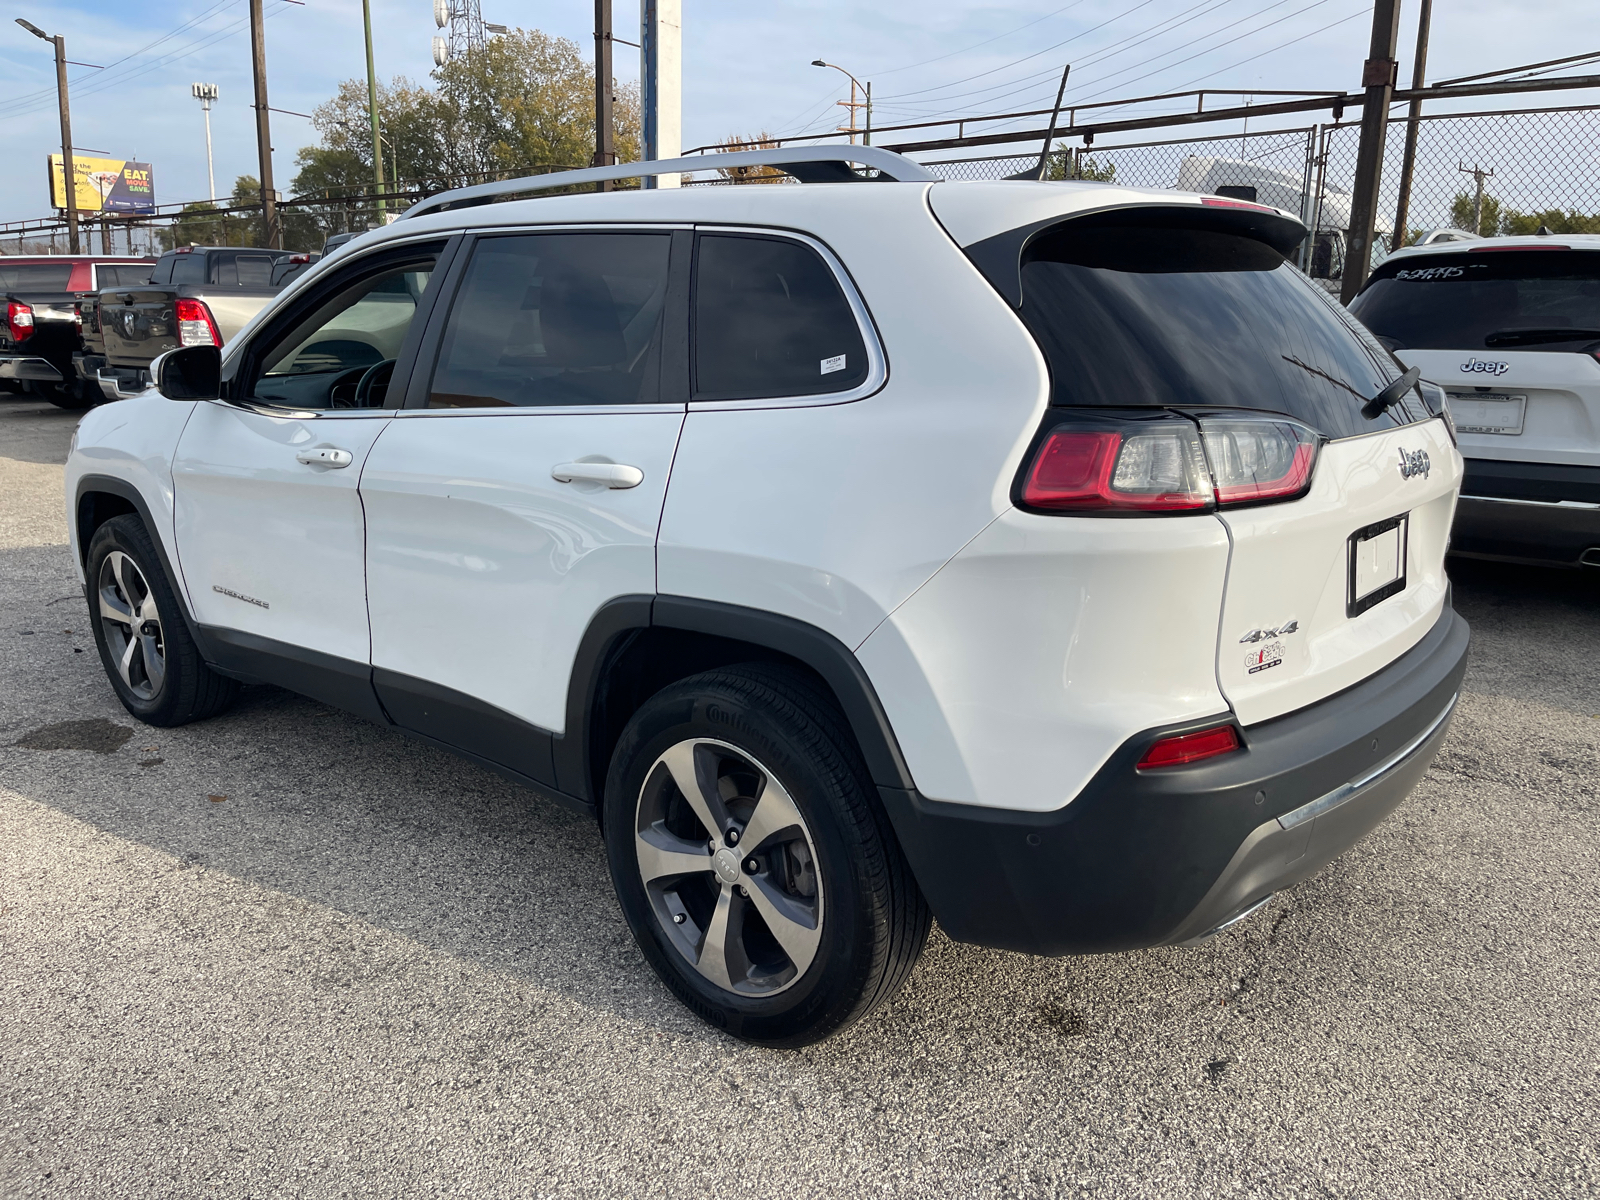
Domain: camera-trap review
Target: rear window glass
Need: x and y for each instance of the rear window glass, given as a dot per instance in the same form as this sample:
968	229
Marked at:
127	275
188	269
244	270
1132	310
1495	300
771	320
39	277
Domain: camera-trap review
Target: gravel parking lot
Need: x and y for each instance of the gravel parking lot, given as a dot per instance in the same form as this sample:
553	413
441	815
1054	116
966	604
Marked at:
288	953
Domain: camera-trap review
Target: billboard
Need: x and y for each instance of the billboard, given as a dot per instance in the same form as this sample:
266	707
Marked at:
105	185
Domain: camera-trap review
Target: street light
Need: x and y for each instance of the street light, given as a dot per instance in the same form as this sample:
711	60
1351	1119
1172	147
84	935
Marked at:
206	93
69	178
853	105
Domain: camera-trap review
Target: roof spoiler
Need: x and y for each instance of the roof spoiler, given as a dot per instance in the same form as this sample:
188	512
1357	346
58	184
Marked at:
808	164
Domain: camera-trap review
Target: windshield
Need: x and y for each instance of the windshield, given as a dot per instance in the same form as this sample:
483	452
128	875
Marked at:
35	277
1498	300
1131	313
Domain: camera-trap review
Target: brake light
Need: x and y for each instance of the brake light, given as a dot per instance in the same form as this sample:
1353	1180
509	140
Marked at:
1159	468
19	320
1253	461
1225	202
1521	246
195	324
1190	747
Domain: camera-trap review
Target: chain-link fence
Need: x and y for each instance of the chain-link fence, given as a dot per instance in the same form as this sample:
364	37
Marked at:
1537	168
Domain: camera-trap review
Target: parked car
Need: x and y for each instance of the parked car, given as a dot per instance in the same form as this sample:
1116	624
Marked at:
40	335
1054	559
1510	327
195	296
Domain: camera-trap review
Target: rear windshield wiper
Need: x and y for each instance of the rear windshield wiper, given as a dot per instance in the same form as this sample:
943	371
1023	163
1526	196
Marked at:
1532	337
1391	394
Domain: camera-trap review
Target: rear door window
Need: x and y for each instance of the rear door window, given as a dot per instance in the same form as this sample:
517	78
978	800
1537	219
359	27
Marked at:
1136	309
1530	299
556	319
770	320
35	277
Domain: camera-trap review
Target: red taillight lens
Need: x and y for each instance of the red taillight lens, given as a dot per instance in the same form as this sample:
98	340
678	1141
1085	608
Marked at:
1158	467
19	320
1254	460
195	324
1228	202
1191	747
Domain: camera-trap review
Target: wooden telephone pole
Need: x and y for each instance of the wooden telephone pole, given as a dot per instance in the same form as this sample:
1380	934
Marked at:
272	231
1377	77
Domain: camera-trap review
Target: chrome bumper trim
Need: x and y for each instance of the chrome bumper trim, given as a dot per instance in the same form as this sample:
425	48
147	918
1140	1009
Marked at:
1339	795
1536	503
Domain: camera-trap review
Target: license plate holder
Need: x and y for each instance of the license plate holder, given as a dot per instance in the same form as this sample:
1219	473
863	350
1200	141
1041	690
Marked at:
1488	412
1377	558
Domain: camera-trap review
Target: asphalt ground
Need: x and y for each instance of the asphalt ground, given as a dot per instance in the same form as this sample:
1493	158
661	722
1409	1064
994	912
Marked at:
288	953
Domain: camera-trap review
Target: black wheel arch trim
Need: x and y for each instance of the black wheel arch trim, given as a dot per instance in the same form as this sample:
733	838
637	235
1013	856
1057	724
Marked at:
831	659
122	489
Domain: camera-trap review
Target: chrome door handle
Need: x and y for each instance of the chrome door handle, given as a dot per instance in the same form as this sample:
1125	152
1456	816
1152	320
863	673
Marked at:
325	456
613	475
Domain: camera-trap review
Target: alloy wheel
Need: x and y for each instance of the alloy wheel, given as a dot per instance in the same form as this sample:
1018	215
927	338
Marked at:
132	624
729	867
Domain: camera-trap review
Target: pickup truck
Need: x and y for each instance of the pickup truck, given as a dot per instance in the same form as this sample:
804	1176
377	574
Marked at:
195	296
39	336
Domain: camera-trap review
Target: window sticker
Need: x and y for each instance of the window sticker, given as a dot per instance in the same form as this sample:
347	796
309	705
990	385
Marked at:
830	365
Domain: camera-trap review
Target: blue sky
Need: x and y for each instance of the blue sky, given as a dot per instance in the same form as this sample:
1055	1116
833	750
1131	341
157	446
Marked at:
746	65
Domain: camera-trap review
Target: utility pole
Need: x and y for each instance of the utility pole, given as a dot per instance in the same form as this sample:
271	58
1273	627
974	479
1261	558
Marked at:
1377	77
605	153
206	93
1419	68
271	231
1478	176
852	104
661	84
69	175
372	111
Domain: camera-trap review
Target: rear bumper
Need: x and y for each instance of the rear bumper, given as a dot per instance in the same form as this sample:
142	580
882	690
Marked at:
28	367
1541	513
1164	857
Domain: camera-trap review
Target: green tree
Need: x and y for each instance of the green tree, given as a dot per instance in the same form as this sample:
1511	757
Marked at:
1461	214
1554	219
1068	163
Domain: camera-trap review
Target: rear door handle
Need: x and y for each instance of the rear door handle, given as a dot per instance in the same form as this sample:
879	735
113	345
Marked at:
613	475
325	456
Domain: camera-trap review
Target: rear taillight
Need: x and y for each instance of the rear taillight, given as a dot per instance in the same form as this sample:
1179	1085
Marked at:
1191	747
195	324
1253	461
1151	466
1167	463
19	320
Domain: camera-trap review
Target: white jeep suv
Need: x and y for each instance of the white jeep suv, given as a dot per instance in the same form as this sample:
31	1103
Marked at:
1051	559
1510	327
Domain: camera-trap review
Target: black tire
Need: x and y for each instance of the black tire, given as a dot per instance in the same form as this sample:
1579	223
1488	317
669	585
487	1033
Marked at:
73	395
184	689
761	723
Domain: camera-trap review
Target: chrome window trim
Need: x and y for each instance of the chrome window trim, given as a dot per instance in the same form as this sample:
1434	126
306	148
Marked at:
877	359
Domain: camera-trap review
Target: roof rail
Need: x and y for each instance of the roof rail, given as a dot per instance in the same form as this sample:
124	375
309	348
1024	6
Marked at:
808	164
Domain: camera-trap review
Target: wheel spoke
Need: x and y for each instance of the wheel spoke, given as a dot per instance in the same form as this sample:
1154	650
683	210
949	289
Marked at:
155	666
661	855
720	954
775	811
125	663
684	761
793	924
113	609
128	579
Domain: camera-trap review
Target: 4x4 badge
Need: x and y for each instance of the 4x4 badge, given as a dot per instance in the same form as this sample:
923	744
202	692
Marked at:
1261	635
1415	463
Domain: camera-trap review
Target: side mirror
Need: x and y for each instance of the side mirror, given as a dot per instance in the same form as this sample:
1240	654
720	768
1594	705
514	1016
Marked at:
192	373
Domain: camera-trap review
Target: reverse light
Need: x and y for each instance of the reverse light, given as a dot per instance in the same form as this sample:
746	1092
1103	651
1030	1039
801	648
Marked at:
1184	748
1157	467
196	327
19	320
